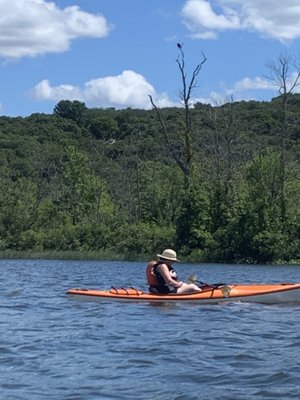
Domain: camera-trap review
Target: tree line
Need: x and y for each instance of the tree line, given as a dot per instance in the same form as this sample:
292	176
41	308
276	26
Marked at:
218	183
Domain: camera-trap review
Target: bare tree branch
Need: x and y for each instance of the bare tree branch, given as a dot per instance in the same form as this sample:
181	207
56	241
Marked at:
286	81
184	158
169	146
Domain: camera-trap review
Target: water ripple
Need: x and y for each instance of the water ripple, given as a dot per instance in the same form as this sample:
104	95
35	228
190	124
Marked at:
53	348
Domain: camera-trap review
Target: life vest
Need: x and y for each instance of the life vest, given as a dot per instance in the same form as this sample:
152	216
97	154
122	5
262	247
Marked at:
153	277
150	273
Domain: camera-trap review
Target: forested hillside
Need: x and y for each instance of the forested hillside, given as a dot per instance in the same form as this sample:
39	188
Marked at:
129	183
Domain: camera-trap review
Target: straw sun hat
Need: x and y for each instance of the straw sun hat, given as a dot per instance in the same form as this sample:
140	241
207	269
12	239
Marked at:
168	254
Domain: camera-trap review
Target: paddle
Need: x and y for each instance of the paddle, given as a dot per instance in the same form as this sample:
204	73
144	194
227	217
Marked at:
224	288
193	279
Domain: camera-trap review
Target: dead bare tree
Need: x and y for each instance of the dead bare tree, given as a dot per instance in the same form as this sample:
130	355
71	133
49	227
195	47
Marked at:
183	158
285	75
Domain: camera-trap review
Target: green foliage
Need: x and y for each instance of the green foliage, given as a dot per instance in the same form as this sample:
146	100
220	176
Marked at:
160	192
270	246
102	180
74	110
143	239
104	128
194	220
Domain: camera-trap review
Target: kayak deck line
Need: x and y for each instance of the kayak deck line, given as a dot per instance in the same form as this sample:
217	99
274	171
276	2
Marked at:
259	293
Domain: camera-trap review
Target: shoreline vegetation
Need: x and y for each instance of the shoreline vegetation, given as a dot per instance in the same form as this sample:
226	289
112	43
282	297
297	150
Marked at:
67	255
107	256
107	184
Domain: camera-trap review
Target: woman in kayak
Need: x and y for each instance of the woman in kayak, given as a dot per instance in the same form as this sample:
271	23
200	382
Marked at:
162	277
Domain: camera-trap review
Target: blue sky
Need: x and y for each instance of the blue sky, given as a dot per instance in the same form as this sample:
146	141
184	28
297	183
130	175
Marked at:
114	53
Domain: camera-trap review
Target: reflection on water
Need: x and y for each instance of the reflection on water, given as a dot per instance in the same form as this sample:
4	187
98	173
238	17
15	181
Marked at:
54	348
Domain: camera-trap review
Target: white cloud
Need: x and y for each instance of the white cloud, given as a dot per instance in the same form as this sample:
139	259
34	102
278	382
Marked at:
128	89
248	89
204	23
44	91
270	18
32	27
253	83
244	89
257	83
251	89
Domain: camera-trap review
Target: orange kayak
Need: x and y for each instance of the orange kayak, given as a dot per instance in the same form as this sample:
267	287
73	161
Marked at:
255	293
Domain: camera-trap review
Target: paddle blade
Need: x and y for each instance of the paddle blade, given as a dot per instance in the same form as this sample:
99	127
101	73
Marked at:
192	278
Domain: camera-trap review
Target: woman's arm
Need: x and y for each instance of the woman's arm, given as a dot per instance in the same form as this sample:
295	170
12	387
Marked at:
165	273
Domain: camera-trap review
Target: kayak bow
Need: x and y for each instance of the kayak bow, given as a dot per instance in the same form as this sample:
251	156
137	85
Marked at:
254	293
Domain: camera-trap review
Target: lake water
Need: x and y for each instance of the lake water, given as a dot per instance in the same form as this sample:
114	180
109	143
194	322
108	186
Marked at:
52	347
